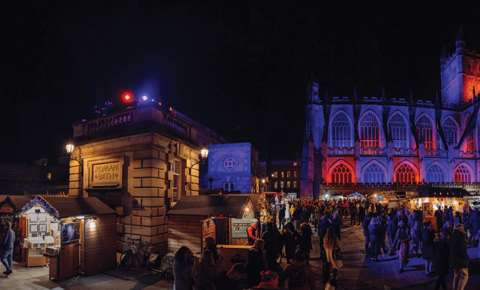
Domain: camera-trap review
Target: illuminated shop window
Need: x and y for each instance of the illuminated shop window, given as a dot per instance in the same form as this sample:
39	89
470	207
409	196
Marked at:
288	184
281	184
369	131
425	132
341	131
276	174
276	185
374	174
405	174
450	130
462	174
294	184
341	174
294	174
288	173
282	174
435	174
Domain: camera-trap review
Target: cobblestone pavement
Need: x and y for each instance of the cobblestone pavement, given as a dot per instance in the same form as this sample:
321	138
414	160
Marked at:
358	272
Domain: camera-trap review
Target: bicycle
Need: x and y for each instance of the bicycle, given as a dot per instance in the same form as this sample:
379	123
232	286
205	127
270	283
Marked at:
148	261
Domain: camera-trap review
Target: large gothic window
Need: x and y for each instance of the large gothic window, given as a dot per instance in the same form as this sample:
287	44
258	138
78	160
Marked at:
374	174
369	131
425	132
341	174
398	130
435	174
462	174
405	174
450	130
341	131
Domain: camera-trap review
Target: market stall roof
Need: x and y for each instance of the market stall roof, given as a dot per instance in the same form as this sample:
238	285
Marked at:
216	205
426	191
63	207
15	201
356	194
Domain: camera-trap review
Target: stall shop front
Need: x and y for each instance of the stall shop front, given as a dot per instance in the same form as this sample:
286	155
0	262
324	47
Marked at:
431	198
223	217
185	219
10	206
73	235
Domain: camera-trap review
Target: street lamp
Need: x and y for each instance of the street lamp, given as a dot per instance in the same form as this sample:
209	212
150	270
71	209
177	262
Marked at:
203	156
70	148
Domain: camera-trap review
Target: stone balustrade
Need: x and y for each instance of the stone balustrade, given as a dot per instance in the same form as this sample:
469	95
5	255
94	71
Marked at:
109	122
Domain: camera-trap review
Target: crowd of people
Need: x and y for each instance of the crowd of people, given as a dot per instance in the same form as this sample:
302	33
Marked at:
290	238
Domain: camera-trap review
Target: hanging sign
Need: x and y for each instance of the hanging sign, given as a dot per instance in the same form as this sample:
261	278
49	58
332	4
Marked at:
208	228
239	228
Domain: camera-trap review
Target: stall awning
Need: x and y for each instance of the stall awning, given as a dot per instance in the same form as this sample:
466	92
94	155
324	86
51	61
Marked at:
215	205
426	191
63	207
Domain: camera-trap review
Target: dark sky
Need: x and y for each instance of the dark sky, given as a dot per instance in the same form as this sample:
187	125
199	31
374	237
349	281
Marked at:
238	67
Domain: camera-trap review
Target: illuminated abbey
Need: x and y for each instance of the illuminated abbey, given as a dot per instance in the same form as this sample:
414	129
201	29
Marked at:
370	143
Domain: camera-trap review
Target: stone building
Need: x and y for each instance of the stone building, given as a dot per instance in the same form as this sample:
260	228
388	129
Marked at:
285	176
380	142
233	167
139	161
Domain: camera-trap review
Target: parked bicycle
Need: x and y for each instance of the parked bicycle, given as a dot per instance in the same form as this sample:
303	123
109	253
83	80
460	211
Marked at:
153	263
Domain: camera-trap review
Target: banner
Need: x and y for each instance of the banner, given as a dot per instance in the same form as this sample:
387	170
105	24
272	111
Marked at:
208	228
239	228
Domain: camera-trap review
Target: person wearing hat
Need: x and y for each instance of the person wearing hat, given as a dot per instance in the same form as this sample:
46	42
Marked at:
459	260
7	248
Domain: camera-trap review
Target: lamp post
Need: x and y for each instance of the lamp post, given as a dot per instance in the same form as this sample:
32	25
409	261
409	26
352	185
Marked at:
203	157
70	148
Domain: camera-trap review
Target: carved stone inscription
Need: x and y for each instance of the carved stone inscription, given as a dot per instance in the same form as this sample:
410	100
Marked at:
106	172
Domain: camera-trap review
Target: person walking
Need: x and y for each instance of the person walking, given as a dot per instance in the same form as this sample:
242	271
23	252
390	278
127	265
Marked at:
428	253
373	232
439	217
204	273
182	266
272	245
440	262
402	244
366	233
7	248
257	262
331	241
306	240
281	216
361	214
353	214
291	239
391	230
416	234
459	260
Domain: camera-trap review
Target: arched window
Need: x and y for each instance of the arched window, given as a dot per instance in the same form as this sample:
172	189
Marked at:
341	131
341	174
462	174
425	132
450	130
369	131
435	174
398	130
405	174
374	174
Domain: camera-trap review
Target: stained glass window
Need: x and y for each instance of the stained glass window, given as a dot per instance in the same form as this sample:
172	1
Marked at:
425	131
369	131
435	174
374	174
341	131
405	174
341	174
398	131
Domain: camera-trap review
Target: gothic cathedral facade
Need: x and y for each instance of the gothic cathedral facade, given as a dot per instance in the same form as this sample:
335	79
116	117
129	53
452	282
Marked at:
376	142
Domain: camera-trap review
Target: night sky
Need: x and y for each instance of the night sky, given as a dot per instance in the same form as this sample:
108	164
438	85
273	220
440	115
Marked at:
239	67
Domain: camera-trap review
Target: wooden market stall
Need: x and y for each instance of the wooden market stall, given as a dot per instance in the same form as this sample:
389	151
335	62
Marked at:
10	206
224	217
73	235
431	198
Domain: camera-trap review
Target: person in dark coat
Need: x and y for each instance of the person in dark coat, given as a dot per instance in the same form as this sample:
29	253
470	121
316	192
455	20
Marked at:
257	262
428	252
391	231
439	217
440	262
459	260
291	239
272	243
281	216
336	223
366	232
373	232
296	217
353	214
361	214
306	241
475	216
323	225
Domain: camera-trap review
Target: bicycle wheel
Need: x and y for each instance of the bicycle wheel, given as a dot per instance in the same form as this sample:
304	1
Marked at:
126	259
168	274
